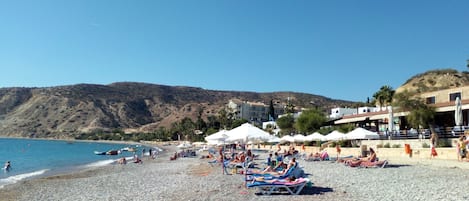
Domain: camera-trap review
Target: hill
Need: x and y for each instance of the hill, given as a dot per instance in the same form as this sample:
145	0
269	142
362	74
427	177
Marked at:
59	112
435	80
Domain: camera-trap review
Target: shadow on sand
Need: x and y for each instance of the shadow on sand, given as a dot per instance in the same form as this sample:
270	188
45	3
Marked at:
315	190
396	165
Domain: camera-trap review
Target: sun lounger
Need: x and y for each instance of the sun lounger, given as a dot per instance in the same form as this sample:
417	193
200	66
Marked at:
269	176
279	186
342	157
376	164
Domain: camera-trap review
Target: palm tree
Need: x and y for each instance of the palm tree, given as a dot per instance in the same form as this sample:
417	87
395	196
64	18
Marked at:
384	96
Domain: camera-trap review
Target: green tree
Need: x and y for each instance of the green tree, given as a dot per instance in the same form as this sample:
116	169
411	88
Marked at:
420	114
184	128
384	96
238	122
223	118
310	120
286	123
289	108
271	110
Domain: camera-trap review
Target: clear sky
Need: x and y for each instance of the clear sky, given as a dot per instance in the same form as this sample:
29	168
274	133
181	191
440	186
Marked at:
343	49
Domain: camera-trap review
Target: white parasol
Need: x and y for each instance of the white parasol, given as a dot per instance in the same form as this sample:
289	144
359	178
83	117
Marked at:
361	133
246	133
286	138
335	136
299	138
314	137
458	112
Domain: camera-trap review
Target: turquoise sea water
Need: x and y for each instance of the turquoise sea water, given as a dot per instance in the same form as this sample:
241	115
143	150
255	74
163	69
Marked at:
31	158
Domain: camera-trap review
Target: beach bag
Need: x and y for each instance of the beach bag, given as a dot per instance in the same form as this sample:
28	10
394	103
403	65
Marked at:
462	152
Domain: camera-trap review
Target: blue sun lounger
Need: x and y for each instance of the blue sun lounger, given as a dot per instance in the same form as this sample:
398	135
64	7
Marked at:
268	176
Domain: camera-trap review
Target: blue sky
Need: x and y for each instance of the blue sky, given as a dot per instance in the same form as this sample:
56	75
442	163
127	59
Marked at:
343	49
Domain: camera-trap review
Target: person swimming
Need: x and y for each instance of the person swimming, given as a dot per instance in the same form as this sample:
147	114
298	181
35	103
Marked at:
7	166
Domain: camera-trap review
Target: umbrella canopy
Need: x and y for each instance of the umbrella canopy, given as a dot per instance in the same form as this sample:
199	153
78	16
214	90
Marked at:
184	146
247	132
274	139
217	138
458	112
391	119
287	138
361	133
314	137
335	135
299	138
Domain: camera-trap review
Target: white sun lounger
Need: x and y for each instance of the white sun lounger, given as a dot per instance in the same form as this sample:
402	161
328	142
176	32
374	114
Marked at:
267	188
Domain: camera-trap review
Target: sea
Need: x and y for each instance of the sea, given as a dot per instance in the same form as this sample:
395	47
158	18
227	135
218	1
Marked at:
31	158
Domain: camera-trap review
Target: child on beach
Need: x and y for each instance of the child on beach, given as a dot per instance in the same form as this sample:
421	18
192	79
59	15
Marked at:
462	147
269	160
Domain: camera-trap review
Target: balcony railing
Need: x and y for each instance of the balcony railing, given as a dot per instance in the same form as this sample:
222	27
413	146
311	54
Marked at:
443	132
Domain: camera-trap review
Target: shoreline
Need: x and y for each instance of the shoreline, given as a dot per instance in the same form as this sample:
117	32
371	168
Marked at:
69	170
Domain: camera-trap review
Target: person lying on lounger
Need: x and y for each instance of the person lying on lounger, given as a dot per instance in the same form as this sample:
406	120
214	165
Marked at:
274	171
261	179
356	162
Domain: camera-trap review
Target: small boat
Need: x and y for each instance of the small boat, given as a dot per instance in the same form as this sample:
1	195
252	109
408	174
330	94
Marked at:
100	152
130	149
112	152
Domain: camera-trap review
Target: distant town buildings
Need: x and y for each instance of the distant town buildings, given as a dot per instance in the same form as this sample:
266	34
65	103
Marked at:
254	112
385	119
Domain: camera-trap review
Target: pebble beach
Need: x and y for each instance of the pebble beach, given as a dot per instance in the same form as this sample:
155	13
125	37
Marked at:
195	179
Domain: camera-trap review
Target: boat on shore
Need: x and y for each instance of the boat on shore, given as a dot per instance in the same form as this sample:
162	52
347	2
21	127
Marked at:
112	152
130	149
100	152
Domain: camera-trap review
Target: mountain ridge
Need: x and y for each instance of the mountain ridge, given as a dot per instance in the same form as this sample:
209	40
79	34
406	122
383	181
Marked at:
61	111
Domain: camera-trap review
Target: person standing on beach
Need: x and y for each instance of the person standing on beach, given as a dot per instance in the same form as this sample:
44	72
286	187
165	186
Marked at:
338	150
433	143
462	147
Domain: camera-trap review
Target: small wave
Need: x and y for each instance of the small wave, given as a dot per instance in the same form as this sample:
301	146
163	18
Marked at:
101	163
16	178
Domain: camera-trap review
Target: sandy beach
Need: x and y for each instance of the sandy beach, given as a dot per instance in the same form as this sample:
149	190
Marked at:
195	179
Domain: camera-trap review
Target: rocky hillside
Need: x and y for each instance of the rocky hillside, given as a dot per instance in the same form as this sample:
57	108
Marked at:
435	80
58	112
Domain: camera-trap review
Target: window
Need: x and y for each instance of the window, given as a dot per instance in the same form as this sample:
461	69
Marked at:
430	100
452	97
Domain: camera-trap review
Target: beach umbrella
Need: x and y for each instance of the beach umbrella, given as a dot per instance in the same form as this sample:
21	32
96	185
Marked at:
361	133
458	112
298	138
220	136
184	146
217	138
274	139
314	137
335	136
287	138
246	133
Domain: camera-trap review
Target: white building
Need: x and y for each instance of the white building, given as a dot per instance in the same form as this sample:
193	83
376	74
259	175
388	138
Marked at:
363	110
340	112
